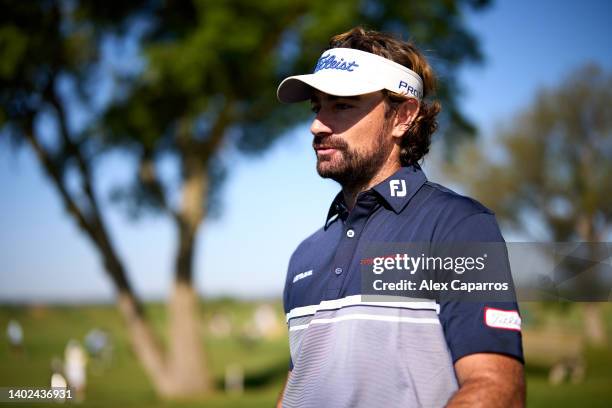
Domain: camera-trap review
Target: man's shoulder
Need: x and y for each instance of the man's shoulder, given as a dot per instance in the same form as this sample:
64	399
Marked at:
303	255
310	243
448	210
443	199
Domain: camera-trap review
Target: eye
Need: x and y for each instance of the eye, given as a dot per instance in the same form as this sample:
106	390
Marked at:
315	108
342	106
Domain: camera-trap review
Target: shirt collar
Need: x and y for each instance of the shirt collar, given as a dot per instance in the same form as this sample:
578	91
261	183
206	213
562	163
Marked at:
396	191
337	207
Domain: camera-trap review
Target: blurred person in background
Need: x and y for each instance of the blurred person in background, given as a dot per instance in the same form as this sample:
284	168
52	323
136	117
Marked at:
58	381
75	364
14	333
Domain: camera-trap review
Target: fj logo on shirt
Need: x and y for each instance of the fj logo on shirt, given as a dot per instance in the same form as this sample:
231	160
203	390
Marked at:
302	275
396	191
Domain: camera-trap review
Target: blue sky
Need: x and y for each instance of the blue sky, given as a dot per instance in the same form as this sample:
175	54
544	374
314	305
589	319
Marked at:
273	202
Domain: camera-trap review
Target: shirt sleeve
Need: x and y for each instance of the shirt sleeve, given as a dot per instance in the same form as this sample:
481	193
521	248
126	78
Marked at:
286	300
482	326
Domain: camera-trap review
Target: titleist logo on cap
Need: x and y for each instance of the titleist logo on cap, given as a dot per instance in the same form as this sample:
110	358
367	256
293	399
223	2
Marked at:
329	61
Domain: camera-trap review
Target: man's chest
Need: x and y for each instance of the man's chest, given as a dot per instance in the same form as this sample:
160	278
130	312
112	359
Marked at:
330	266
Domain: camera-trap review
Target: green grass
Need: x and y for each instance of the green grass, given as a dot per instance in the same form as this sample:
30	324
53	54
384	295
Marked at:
47	330
123	383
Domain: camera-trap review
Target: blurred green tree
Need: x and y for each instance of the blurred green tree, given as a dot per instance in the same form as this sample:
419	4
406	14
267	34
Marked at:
549	172
205	83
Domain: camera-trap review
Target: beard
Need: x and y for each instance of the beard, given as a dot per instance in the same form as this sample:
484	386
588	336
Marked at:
349	167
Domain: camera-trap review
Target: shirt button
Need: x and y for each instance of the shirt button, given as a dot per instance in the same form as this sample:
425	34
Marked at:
350	233
338	271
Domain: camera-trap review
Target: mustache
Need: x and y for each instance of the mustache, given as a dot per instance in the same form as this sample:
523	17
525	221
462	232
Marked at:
324	142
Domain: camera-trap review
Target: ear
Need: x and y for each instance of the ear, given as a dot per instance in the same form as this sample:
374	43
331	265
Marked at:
405	115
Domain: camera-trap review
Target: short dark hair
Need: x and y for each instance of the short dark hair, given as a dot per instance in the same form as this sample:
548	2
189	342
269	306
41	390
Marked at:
415	143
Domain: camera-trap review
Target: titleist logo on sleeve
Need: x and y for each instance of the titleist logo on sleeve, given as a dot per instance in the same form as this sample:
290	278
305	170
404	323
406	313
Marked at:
502	319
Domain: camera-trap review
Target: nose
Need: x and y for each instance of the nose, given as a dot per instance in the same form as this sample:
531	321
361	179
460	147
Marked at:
319	127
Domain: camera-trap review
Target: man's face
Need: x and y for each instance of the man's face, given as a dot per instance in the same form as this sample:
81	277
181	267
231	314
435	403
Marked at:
352	138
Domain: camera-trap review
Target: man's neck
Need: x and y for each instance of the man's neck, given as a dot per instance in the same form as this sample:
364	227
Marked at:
351	192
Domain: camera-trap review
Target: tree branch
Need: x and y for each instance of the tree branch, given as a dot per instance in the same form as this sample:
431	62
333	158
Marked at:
148	178
55	174
74	150
217	132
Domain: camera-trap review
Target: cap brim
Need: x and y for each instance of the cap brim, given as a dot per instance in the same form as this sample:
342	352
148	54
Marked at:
299	88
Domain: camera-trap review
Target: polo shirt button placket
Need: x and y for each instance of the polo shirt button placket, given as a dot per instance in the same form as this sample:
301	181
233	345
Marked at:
353	225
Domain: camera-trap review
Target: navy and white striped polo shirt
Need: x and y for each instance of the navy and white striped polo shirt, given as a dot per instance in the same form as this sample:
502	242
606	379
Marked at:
347	351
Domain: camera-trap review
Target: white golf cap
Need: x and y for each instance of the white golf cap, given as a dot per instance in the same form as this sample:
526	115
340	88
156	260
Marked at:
350	72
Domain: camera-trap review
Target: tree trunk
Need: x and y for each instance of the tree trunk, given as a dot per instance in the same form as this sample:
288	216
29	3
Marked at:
181	372
144	343
594	326
143	340
186	357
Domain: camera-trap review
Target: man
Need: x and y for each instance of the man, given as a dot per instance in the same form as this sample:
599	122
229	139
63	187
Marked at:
373	124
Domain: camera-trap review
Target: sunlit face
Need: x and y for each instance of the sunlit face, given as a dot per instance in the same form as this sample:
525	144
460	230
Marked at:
352	138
